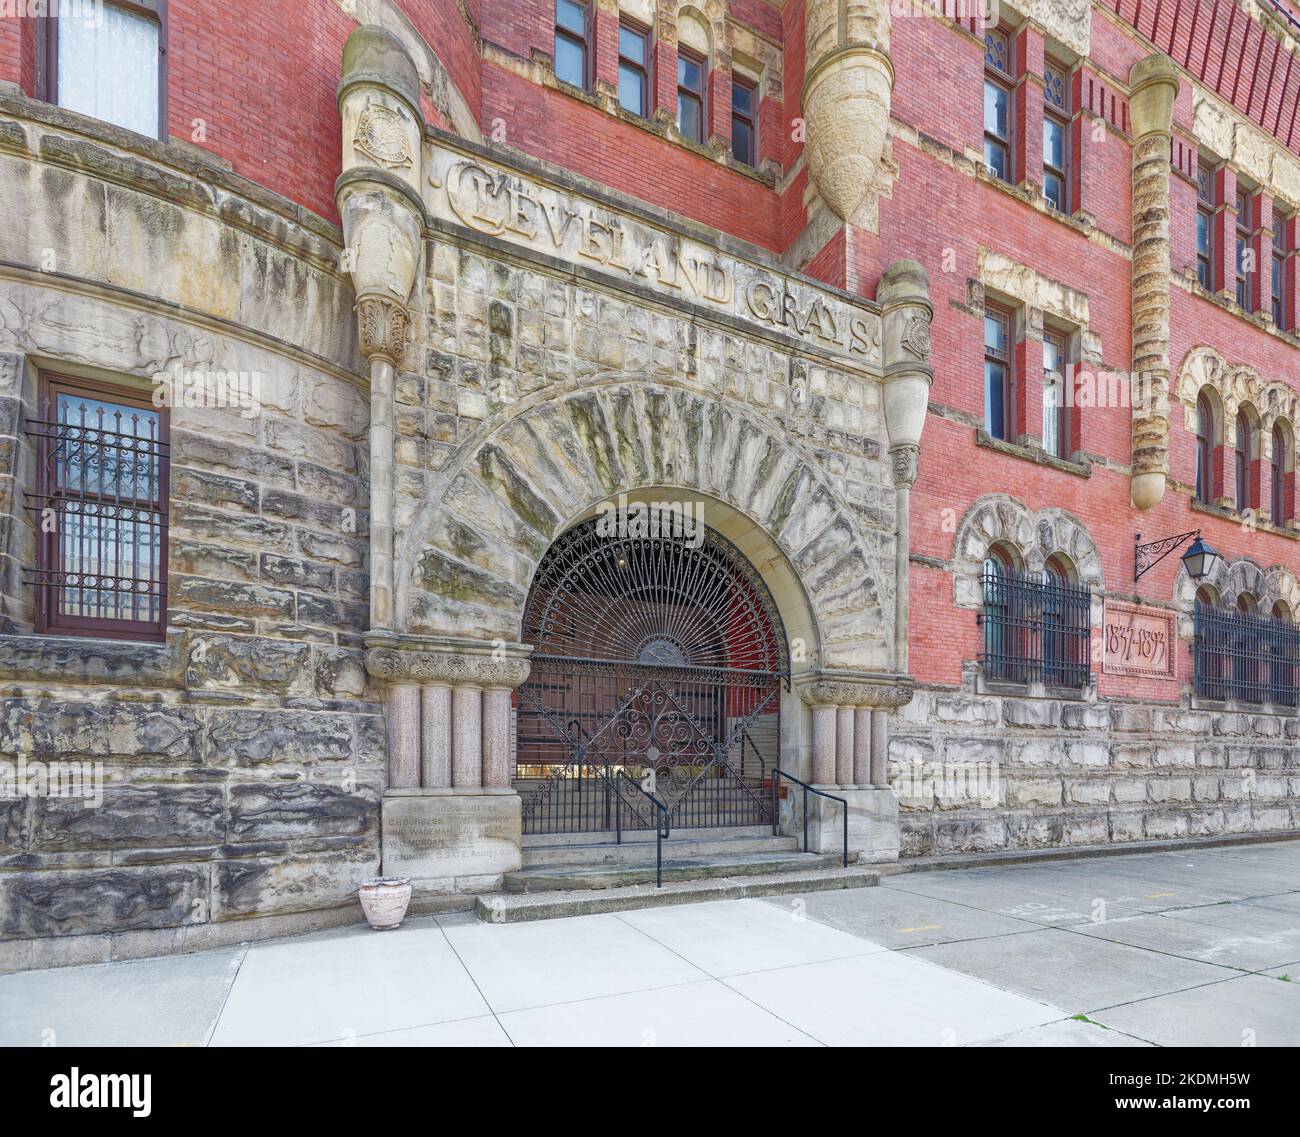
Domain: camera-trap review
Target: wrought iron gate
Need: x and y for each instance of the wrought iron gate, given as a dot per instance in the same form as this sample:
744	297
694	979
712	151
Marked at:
659	661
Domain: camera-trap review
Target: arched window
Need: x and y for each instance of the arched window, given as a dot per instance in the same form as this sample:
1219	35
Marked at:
1279	498
1245	461
1244	647
1060	604
1001	639
1284	657
1204	449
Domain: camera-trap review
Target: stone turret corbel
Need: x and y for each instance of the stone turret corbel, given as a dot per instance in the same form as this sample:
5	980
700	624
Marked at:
906	313
378	196
1154	87
846	97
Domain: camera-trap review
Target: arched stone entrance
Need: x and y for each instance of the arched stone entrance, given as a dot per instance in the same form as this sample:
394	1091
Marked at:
659	659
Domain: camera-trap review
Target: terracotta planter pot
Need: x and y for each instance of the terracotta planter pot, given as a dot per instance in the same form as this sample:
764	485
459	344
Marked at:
384	900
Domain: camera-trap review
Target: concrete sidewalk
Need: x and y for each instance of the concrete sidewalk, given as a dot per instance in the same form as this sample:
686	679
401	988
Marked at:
1195	948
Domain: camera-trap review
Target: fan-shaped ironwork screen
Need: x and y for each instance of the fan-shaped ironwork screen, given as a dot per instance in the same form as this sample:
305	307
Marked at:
657	660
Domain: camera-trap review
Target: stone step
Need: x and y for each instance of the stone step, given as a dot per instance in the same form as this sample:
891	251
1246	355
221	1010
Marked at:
605	836
682	845
508	908
568	877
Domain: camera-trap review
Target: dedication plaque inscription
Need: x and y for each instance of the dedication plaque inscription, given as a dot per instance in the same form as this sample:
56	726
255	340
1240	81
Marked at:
1138	641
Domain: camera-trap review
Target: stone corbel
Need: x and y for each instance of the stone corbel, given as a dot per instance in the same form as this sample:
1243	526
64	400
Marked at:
850	711
448	711
379	200
846	98
1154	88
906	313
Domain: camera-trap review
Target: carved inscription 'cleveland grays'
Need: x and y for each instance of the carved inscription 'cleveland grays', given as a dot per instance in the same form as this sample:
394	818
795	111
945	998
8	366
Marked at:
505	204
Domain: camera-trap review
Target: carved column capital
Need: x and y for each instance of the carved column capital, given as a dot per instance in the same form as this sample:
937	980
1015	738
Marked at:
397	659
905	459
381	327
855	689
444	667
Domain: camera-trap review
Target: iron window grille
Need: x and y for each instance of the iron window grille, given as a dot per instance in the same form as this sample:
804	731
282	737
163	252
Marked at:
100	512
1247	658
1036	630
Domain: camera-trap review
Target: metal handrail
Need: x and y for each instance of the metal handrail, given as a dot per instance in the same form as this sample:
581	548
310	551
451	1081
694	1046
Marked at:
807	789
662	831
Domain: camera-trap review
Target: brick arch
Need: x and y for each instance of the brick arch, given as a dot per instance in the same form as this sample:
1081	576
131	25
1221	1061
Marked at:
1037	537
471	551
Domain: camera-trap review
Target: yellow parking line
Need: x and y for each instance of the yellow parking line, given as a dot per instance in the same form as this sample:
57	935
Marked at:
922	928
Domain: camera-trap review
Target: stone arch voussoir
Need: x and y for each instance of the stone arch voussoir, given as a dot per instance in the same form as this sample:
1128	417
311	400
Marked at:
1037	537
469	559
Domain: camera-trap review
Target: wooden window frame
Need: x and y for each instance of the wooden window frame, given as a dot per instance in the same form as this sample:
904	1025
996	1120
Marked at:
1278	267
1206	204
583	41
1204	485
49	621
1245	487
1061	117
700	96
643	33
1277	477
1245	285
747	121
1063	446
1005	81
47	54
1007	361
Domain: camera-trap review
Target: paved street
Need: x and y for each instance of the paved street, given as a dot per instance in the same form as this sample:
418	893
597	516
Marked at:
1170	949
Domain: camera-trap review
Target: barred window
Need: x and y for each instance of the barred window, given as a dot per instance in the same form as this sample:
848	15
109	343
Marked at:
1037	626
1244	656
100	511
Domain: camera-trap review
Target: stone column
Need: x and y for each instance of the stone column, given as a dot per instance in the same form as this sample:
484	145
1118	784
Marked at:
879	774
466	736
904	297
862	746
823	746
435	731
1153	89
403	715
850	713
497	773
383	214
844	746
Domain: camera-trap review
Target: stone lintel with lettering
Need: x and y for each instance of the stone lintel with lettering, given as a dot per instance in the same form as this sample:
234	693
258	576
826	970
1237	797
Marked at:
542	212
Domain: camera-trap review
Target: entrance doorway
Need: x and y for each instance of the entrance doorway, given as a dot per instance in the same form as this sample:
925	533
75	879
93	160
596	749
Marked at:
657	668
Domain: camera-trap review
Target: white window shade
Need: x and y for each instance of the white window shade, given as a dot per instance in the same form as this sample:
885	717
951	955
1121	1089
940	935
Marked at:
108	67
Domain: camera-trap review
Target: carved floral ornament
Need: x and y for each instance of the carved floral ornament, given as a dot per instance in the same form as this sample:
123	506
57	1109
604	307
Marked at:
1237	385
855	693
905	460
394	665
381	326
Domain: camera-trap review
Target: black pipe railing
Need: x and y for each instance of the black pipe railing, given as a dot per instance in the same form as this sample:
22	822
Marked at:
777	774
662	831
